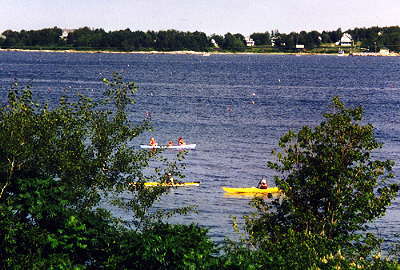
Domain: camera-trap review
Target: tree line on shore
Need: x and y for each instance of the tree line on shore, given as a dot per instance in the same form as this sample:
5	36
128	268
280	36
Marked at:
372	39
61	163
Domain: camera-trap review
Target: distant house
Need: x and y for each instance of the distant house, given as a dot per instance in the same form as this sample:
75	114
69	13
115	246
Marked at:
277	42
273	41
299	46
65	33
214	43
249	42
346	40
384	51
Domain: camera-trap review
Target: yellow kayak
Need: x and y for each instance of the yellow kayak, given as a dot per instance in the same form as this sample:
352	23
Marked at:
251	190
158	184
244	195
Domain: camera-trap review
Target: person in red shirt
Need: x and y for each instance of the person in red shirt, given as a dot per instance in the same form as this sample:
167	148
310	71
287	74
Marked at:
153	142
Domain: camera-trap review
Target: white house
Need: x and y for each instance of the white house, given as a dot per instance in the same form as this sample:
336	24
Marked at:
346	40
65	33
249	42
214	43
273	41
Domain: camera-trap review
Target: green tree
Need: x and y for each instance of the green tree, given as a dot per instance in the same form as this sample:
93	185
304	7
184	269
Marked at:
44	37
12	39
88	38
291	40
325	37
332	188
261	38
391	38
233	42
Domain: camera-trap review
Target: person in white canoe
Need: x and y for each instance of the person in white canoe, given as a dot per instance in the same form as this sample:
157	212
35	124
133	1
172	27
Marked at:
153	142
170	143
181	141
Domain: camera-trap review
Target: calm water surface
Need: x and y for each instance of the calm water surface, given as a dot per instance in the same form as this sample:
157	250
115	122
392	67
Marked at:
234	107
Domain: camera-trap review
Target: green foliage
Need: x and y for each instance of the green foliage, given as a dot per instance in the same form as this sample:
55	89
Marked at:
261	38
300	251
43	37
173	40
164	247
233	42
39	229
375	38
126	40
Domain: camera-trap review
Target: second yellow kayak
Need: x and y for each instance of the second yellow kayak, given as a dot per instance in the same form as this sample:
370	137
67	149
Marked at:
251	190
158	184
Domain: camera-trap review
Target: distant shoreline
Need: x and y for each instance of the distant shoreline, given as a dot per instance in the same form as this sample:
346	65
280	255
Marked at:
195	52
162	52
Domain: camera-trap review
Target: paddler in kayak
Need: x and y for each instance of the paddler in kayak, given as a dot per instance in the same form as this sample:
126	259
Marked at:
169	179
181	141
153	142
170	143
262	184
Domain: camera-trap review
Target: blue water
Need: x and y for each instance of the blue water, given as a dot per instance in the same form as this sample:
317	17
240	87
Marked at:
234	107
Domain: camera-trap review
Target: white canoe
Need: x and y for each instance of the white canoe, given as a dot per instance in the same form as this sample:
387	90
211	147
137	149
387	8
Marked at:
185	146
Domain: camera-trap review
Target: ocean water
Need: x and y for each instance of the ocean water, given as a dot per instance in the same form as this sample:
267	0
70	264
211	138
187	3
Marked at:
234	107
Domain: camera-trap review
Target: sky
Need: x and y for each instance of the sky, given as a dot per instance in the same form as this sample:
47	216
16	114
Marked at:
209	16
